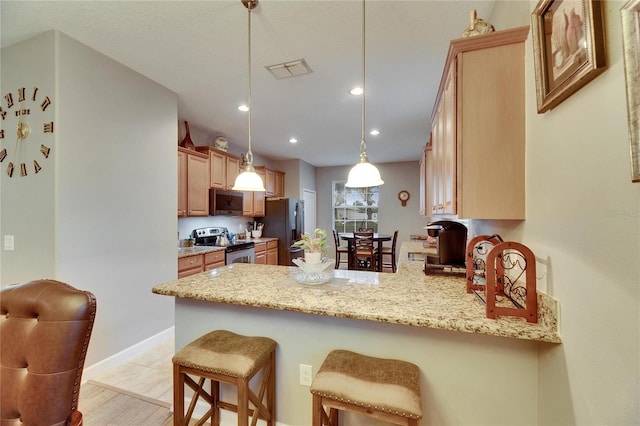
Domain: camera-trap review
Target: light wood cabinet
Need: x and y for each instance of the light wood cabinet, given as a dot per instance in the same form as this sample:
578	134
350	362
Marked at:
223	167
193	178
266	253
190	265
182	184
272	252
253	202
214	260
197	263
279	187
476	168
273	181
260	253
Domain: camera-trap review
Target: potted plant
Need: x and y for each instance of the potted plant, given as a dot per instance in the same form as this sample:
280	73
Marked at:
314	245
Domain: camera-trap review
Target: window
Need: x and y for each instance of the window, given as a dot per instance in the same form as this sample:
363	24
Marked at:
354	208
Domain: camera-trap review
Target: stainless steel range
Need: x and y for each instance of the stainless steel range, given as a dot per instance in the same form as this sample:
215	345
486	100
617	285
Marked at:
235	251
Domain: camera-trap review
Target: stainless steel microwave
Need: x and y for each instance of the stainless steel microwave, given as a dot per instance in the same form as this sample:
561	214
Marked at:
225	202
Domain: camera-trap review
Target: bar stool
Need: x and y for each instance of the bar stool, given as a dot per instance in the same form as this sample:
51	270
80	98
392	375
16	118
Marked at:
223	356
385	389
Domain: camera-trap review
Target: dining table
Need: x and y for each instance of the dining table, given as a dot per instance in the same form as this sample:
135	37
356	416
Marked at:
377	238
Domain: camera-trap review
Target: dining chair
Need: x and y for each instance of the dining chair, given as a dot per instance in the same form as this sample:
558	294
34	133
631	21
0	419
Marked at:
340	250
46	327
388	254
366	230
364	252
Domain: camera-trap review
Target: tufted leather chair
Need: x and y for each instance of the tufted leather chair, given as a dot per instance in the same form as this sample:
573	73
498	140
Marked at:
45	327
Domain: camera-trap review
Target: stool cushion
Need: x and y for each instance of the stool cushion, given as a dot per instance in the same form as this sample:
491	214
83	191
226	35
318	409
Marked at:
226	353
386	385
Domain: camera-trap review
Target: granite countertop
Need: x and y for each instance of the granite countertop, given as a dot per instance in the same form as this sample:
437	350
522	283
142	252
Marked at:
197	250
407	297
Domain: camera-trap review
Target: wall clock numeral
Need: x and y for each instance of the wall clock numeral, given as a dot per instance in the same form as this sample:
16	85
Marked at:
10	169
45	103
21	94
9	99
45	151
48	127
23	169
1	133
3	154
36	166
3	113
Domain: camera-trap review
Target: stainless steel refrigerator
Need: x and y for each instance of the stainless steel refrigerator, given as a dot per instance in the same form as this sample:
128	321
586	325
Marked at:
284	219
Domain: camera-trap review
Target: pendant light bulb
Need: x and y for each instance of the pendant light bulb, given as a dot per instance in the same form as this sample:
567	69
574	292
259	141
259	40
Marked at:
363	174
249	180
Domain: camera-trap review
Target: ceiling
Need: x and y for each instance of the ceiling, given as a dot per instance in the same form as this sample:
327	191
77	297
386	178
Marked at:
198	49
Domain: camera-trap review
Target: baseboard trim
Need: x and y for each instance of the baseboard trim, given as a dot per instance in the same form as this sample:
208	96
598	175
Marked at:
100	367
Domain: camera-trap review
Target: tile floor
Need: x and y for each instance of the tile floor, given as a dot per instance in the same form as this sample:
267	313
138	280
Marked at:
148	376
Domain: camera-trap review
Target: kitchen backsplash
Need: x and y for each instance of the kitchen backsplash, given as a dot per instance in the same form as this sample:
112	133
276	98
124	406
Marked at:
188	224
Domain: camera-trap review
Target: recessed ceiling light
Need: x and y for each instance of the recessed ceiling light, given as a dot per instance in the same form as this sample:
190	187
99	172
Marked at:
293	140
356	91
243	108
374	132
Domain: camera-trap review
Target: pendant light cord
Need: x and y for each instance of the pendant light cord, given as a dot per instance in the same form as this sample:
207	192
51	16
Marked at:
249	153
363	143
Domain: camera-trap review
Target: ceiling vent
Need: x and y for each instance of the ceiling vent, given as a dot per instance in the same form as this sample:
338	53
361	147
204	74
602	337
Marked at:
289	69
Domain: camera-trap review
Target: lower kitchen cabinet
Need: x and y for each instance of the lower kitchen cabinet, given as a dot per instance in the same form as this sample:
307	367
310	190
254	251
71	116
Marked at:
213	260
272	252
266	253
191	265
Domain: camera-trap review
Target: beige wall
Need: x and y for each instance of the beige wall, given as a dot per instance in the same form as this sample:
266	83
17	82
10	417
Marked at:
101	214
583	220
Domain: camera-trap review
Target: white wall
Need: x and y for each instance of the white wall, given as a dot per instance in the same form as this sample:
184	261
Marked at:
583	216
392	216
28	203
110	219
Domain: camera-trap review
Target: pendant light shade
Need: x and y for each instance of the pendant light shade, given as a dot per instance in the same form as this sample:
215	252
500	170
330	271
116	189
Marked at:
363	174
249	180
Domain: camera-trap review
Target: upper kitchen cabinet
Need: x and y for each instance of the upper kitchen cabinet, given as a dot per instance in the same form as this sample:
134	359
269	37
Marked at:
273	181
223	167
253	201
474	166
193	183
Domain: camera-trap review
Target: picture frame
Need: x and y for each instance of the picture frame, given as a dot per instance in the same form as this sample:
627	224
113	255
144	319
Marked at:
630	15
568	48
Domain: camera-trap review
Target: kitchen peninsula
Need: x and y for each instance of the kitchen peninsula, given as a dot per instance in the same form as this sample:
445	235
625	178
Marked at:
431	321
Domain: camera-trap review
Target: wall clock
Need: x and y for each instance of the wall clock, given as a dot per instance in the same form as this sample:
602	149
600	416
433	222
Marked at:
403	196
26	127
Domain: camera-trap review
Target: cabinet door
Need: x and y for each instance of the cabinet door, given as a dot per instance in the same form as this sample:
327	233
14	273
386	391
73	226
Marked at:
247	203
197	179
270	182
190	265
213	260
182	184
272	252
448	159
260	256
218	169
258	204
233	170
279	184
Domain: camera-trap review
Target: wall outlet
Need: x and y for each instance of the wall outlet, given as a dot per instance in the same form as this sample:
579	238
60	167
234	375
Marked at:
8	242
306	374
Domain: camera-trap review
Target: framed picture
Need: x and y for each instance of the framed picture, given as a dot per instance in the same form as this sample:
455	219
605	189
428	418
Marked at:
630	14
568	48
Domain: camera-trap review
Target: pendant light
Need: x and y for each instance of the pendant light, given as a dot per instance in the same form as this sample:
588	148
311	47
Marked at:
363	174
249	180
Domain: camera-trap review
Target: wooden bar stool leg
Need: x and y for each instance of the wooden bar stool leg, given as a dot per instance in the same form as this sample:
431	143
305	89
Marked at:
317	411
243	402
215	405
178	396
